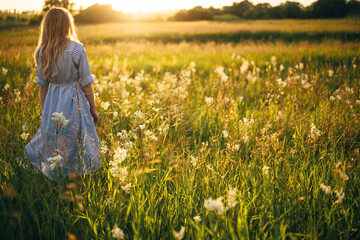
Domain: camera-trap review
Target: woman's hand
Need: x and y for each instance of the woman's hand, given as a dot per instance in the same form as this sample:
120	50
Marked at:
94	115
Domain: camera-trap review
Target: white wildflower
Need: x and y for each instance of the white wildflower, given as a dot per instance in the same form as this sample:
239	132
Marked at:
115	114
4	70
221	73
119	156
104	148
225	134
194	160
108	201
231	198
179	235
340	195
59	120
6	87
357	102
197	218
314	132
281	68
209	100
244	67
138	114
332	98
215	204
265	169
126	188
117	233
142	126
24	135
326	189
105	105
330	73
54	161
241	98
119	172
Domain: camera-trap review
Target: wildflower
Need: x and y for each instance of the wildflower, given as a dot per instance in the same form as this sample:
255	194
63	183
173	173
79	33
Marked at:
119	156
215	204
4	70
142	126
343	175
104	148
220	71
209	100
194	160
273	61
340	195
245	139
225	134
330	73
231	198
326	189
179	235
281	68
117	232
119	172
59	120
128	144
126	188
105	105
138	114
357	102
108	201
265	169
24	135
115	114
332	98
244	67
17	94
314	132
197	219
241	98
151	102
54	161
301	66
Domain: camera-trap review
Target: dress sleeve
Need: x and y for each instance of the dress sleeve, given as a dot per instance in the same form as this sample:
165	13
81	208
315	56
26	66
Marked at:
40	79
81	61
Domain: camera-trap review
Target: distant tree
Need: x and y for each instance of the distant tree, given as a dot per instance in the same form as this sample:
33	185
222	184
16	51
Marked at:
98	14
353	7
277	12
239	9
328	9
260	11
293	10
195	14
48	4
215	11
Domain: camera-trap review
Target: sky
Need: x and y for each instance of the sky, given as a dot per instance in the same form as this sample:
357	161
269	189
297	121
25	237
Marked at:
137	5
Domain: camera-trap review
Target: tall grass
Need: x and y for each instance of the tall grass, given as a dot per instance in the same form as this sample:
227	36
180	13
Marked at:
275	121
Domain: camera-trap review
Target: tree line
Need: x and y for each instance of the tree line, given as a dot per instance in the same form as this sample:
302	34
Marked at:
290	9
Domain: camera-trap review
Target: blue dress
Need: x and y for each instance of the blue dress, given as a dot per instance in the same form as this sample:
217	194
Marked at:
66	141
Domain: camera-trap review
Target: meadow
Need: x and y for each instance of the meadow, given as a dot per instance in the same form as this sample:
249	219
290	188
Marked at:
246	130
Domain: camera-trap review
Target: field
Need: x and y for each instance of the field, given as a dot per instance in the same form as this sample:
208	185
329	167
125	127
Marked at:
246	130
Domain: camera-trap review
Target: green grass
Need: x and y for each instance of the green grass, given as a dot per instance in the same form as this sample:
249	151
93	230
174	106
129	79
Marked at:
167	190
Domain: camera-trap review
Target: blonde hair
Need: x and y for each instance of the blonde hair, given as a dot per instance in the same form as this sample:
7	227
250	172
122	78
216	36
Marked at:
56	31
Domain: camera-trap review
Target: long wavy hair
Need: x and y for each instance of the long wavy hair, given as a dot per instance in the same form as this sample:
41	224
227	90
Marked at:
56	31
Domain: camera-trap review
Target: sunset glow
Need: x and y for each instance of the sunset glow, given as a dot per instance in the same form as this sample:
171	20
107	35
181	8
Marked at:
145	6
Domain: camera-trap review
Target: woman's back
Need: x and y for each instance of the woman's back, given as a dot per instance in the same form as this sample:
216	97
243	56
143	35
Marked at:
72	64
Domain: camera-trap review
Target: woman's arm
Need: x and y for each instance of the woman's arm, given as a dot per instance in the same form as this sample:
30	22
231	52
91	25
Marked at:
89	93
43	92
